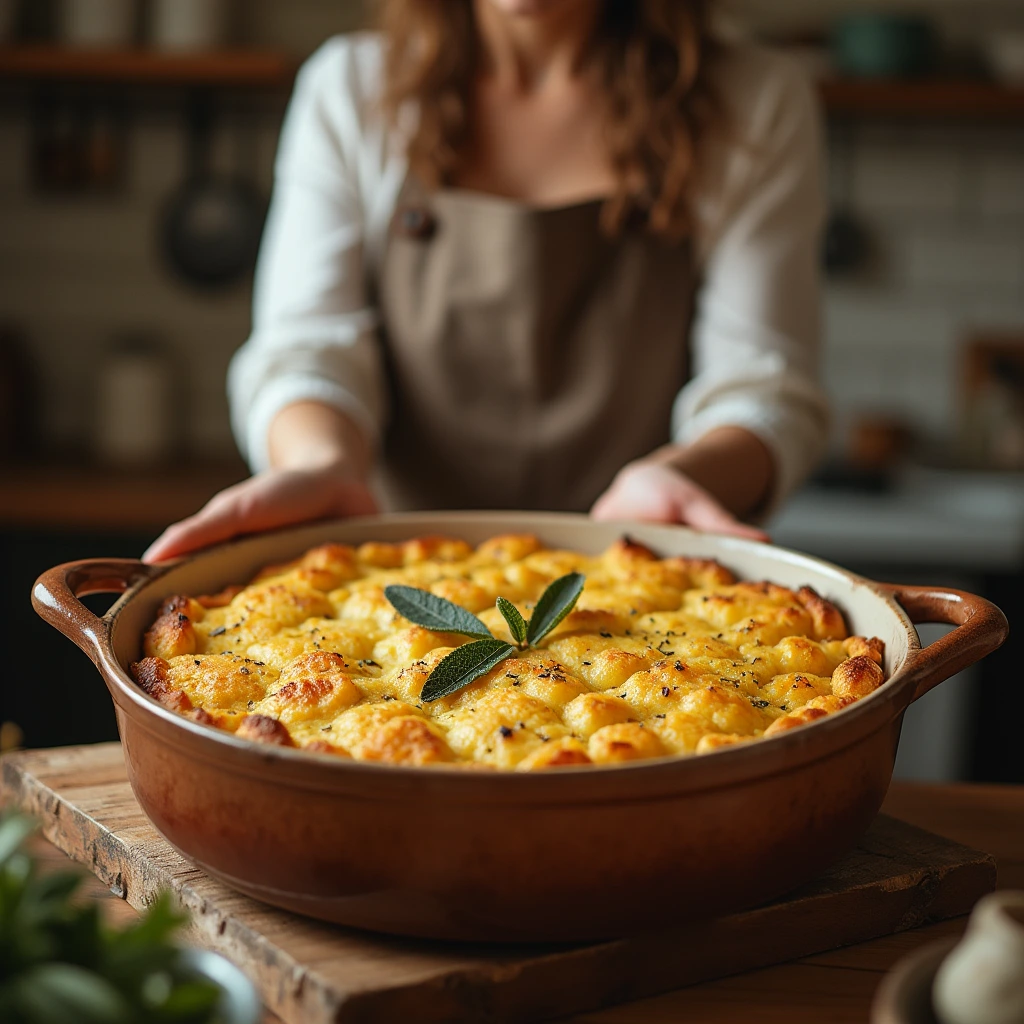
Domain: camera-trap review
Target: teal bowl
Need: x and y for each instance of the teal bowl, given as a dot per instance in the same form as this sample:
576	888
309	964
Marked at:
884	46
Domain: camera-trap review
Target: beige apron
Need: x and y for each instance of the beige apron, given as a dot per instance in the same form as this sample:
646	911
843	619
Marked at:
530	356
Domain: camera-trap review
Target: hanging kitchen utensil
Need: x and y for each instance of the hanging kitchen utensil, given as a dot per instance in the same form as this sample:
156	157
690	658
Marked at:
212	225
845	247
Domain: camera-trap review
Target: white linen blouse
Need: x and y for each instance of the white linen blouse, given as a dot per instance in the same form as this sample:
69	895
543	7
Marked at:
760	207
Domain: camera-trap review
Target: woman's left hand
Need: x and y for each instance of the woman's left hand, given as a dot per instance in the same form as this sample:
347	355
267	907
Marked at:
658	494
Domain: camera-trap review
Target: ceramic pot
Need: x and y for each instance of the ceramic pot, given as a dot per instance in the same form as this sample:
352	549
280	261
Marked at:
982	980
239	1003
574	854
905	994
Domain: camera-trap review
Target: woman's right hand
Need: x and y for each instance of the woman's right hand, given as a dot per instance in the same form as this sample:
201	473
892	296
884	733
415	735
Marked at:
273	498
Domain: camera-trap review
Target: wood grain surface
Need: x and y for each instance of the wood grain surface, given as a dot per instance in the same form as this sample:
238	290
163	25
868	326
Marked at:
898	878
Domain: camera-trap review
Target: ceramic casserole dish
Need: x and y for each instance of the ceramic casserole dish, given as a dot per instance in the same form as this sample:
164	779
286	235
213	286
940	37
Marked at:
573	854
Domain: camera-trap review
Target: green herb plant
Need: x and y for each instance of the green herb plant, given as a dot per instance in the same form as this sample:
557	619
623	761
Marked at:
486	652
59	963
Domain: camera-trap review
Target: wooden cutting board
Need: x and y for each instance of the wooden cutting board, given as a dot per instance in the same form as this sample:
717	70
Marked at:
898	877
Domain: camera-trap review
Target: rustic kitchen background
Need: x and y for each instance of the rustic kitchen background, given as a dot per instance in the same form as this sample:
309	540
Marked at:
115	333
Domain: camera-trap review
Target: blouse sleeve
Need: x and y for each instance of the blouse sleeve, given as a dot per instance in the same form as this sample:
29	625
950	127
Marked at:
757	323
314	330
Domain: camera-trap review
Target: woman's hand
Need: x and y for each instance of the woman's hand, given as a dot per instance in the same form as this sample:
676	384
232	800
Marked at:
319	463
659	494
276	497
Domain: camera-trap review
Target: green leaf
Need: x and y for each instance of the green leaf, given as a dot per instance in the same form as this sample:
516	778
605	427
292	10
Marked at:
435	613
191	1000
516	623
57	888
14	830
160	921
555	603
58	993
463	665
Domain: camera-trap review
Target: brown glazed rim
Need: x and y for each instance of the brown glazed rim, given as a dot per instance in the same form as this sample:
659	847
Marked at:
980	628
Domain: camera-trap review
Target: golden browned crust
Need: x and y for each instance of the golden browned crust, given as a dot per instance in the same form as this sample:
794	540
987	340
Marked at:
264	729
172	634
323	747
702	572
152	674
804	716
221	599
624	741
828	620
564	753
868	647
661	657
626	549
406	740
857	677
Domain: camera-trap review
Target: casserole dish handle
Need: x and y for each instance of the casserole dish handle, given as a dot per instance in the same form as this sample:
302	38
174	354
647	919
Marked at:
980	628
56	593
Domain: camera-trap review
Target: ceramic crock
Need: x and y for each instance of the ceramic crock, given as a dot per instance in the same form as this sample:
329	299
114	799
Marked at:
573	854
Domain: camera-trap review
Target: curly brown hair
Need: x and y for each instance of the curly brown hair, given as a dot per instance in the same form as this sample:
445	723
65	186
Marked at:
651	58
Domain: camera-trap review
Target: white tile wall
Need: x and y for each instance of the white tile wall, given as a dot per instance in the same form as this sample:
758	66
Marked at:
1000	181
896	172
943	207
961	261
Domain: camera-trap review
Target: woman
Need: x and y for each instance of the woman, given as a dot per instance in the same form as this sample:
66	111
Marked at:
533	254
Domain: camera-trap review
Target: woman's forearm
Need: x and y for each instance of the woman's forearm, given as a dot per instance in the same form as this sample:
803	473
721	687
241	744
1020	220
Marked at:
731	463
312	435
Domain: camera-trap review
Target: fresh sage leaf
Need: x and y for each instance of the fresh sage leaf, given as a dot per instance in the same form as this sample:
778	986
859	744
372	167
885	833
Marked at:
555	603
435	613
516	623
463	665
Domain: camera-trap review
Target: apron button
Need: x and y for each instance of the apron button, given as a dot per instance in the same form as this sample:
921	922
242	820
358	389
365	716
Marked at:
417	222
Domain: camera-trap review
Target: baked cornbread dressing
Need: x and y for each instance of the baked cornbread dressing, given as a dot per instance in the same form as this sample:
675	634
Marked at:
660	657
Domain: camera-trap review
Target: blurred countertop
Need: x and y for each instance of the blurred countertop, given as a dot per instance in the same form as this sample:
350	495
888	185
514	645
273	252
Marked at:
945	518
82	497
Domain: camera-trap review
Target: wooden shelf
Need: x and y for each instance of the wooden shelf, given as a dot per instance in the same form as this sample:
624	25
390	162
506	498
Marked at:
226	69
67	497
847	97
923	98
